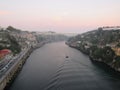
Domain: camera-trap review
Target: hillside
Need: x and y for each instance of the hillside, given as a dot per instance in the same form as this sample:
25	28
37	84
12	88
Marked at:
17	40
101	45
8	41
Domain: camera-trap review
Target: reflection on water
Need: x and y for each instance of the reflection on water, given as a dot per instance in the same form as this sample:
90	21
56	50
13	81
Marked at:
48	69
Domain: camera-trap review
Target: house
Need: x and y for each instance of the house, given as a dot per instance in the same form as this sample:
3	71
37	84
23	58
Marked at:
4	52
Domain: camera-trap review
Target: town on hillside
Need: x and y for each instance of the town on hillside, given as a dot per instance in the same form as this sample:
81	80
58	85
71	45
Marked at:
15	42
102	44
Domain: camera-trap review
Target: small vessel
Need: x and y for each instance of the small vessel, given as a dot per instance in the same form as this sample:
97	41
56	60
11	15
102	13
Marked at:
67	57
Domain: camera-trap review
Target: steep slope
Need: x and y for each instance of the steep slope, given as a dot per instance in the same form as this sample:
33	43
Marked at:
101	45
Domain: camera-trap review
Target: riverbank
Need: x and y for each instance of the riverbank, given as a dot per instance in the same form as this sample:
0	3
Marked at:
9	76
109	62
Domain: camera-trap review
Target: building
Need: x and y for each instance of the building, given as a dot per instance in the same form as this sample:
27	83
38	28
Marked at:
4	52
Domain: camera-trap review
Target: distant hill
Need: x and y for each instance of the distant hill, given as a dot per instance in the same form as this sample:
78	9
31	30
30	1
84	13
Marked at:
99	36
12	29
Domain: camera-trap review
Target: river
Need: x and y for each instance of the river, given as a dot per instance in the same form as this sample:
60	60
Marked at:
47	68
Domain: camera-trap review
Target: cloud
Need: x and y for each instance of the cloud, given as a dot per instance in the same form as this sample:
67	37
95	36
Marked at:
2	12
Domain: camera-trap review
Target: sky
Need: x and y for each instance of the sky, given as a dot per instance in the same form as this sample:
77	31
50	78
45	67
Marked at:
70	16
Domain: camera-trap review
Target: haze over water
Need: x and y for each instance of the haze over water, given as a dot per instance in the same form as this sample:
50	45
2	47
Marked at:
59	15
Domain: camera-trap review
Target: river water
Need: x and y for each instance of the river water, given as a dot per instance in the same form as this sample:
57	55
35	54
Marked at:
47	68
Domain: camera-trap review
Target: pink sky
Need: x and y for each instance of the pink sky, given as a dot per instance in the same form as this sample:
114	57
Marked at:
59	15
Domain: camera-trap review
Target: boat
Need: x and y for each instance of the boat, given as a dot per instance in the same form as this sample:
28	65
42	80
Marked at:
67	57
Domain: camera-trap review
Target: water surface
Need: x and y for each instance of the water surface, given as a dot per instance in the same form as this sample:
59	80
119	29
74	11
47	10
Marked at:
47	68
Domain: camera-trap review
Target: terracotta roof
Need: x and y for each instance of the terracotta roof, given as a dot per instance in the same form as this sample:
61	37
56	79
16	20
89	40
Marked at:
4	52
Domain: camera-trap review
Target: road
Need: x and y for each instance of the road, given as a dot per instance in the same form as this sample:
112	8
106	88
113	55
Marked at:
47	68
7	64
